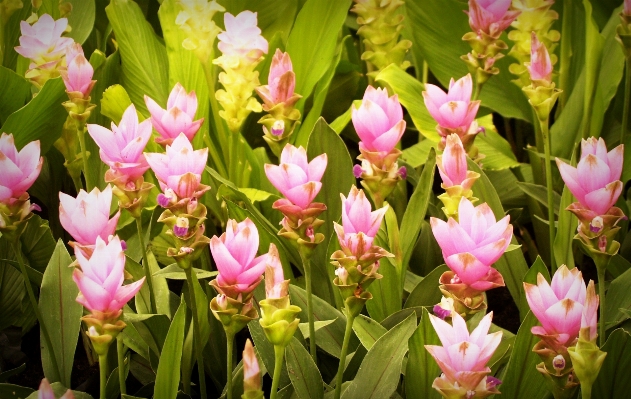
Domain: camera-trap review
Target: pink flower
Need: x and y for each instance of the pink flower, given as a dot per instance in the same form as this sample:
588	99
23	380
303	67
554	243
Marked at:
275	284
296	178
281	82
251	370
242	37
177	118
540	66
378	121
561	307
88	216
19	169
46	391
180	168
121	147
100	278
42	42
490	16
463	356
454	109
472	245
359	224
627	8
234	253
595	182
78	75
452	165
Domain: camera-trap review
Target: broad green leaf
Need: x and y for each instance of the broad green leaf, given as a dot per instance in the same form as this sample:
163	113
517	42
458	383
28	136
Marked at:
337	179
304	327
618	297
81	19
10	391
312	41
303	372
16	91
498	154
441	48
174	272
612	381
594	46
203	309
368	330
12	33
168	374
114	102
10	373
422	369
37	243
426	293
521	379
540	193
61	314
41	119
416	155
380	371
12	292
142	55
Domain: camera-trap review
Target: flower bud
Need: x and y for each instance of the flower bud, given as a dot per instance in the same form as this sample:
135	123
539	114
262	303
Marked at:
342	275
596	224
558	362
357	171
278	128
181	227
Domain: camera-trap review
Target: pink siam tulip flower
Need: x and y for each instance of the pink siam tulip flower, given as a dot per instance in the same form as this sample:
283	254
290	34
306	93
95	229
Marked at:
562	307
42	42
452	165
359	224
19	169
46	391
463	356
473	244
540	66
100	279
453	111
78	75
595	182
234	252
88	216
177	118
121	147
281	82
251	371
379	123
242	37
491	17
626	10
297	178
180	168
275	284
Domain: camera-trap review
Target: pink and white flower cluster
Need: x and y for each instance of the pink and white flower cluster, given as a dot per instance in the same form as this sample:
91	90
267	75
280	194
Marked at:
20	169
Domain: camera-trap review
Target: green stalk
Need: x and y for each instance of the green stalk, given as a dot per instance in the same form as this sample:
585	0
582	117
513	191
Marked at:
230	342
306	264
601	296
347	338
279	355
31	295
84	156
627	101
565	55
586	391
148	277
120	349
547	144
103	372
196	333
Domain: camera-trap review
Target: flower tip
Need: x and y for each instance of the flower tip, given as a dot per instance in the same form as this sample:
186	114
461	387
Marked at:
357	171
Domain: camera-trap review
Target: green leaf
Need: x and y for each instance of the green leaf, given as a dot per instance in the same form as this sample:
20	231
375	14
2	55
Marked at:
304	327
338	178
426	293
81	19
61	314
203	309
10	391
618	297
41	119
379	374
142	55
612	381
168	374
114	102
16	91
422	369
174	272
497	151
12	292
368	330
540	193
312	41
441	48
303	372
521	379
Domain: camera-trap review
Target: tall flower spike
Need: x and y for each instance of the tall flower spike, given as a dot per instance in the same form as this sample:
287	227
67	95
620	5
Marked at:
252	384
457	179
540	66
177	117
196	20
463	358
542	92
490	17
78	74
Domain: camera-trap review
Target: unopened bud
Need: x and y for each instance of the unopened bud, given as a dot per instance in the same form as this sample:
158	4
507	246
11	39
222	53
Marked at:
124	245
222	302
342	275
181	227
596	224
35	207
247	307
558	362
191	206
403	172
92	332
357	171
310	233
455	279
602	243
492	382
278	128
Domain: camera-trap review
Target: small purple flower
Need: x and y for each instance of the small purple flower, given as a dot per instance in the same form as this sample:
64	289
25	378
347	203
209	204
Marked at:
596	225
181	227
492	382
357	171
278	128
558	362
440	312
403	172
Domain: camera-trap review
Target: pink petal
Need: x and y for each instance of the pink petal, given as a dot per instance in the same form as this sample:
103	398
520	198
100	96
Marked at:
467	267
600	201
593	173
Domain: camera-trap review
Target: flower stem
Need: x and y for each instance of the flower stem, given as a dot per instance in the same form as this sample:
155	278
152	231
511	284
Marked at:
230	342
600	268
347	337
627	101
565	55
84	155
31	295
196	332
120	349
148	277
306	264
547	144
103	381
279	355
